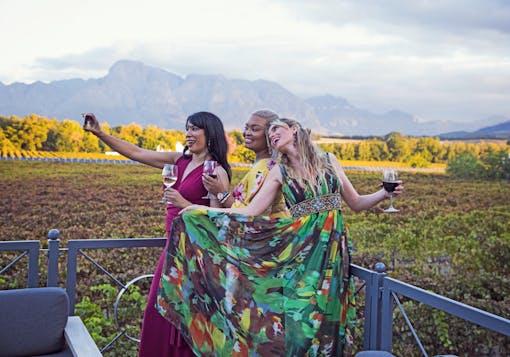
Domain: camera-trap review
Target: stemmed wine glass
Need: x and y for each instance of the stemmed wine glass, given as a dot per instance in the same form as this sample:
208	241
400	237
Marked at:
169	174
209	166
390	182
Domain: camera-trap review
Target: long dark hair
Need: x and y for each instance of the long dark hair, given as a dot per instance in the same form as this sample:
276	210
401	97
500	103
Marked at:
214	137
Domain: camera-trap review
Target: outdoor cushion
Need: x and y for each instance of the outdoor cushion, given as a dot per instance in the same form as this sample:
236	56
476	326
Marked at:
33	321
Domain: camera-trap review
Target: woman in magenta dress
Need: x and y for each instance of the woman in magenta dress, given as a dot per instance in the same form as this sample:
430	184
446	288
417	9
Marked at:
205	140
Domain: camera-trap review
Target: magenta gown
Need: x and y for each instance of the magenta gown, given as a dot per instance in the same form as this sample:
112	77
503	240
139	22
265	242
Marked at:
159	337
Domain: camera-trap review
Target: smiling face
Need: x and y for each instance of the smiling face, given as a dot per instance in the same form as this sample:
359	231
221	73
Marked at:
281	136
195	138
254	134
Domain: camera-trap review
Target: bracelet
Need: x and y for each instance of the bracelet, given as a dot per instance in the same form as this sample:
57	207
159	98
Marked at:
225	198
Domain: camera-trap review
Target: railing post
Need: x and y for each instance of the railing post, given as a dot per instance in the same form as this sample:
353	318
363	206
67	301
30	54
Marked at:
72	255
375	327
367	324
53	252
386	318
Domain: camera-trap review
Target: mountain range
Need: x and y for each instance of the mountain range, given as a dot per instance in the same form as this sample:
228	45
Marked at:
134	92
499	131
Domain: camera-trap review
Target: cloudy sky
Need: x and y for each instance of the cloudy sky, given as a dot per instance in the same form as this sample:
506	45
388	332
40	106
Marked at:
445	59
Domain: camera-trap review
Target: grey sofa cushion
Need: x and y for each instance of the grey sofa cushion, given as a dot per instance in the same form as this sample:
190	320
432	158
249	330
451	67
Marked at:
33	321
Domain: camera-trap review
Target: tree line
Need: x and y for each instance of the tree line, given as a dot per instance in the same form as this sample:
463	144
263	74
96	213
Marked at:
37	133
416	151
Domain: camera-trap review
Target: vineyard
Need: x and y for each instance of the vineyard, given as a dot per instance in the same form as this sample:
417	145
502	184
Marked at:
452	236
85	157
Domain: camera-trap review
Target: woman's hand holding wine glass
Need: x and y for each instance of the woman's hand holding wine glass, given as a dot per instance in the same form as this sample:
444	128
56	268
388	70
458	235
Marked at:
169	174
209	167
393	186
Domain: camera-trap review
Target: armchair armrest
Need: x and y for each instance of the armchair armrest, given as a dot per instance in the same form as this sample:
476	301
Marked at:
79	340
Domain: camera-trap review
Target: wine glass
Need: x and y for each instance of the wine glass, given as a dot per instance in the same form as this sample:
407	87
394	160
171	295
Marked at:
390	182
209	166
169	174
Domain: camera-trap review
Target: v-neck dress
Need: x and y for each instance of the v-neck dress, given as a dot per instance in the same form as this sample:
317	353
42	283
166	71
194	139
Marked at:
159	337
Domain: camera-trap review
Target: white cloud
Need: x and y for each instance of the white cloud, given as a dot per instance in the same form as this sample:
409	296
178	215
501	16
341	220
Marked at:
438	60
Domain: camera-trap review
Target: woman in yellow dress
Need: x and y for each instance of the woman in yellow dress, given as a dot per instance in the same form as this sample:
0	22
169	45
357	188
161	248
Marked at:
255	136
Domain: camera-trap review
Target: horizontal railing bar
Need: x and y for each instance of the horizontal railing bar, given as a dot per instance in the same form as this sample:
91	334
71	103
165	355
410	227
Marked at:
19	245
361	272
117	243
483	318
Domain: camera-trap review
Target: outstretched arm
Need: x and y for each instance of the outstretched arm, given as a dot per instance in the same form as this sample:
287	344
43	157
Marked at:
148	157
353	199
262	200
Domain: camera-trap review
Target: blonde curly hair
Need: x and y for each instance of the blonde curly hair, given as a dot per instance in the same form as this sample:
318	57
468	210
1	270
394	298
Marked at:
315	162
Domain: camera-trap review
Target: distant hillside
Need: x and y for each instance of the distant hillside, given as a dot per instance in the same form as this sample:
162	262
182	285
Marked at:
339	116
499	131
134	92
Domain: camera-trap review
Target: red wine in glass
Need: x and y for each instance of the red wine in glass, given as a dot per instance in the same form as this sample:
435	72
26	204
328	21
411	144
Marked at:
390	186
209	167
390	183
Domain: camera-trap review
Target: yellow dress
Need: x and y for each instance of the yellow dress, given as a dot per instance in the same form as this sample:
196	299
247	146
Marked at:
250	185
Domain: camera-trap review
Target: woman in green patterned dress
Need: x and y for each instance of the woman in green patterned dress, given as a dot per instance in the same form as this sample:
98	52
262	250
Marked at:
240	284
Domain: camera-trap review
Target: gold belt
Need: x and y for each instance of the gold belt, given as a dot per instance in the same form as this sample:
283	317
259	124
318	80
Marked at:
329	202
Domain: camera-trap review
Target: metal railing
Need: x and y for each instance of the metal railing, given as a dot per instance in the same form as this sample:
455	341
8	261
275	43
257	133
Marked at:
392	287
381	291
77	247
27	247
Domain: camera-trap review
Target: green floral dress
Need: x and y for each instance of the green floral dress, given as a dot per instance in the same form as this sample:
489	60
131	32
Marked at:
238	285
